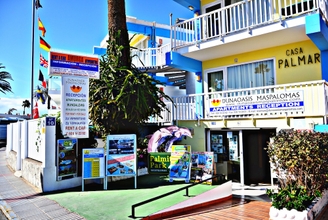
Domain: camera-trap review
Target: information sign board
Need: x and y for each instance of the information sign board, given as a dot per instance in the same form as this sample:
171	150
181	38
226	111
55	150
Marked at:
93	164
121	155
201	166
180	162
66	161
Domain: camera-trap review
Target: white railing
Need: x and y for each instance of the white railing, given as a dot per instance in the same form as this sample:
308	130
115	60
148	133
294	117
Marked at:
150	57
197	106
166	115
240	16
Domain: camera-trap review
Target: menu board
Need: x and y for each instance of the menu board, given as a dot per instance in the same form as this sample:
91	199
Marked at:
201	166
180	162
93	163
66	161
121	155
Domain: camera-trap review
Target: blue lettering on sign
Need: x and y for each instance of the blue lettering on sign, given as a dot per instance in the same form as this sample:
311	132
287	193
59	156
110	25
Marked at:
50	121
280	105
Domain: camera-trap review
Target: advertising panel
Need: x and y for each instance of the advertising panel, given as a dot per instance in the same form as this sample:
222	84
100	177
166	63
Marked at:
180	163
93	163
121	155
73	64
159	162
201	166
283	101
75	106
67	158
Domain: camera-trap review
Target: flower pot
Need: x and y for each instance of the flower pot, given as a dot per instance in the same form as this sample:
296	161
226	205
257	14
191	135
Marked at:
309	214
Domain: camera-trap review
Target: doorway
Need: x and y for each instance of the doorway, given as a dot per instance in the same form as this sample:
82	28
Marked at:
256	160
240	155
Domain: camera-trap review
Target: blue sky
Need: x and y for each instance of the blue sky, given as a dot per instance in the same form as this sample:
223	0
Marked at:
72	25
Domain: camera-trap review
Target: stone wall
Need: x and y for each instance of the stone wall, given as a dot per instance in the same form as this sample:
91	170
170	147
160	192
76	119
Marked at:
32	171
12	160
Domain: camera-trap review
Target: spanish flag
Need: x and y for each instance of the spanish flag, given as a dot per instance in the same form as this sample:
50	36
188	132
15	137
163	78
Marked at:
42	28
44	45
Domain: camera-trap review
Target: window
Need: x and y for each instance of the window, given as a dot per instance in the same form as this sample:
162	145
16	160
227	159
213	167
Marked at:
251	75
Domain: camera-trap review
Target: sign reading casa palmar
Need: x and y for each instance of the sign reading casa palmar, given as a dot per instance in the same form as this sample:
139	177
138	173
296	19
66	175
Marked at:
75	106
282	101
296	57
73	64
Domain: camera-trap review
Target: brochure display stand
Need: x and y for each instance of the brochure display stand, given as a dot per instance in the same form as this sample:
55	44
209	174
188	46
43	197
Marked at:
93	165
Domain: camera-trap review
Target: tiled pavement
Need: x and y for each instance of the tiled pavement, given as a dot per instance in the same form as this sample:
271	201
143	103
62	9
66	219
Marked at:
23	201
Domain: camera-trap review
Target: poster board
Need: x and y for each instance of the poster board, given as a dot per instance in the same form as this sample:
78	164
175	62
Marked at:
180	163
93	164
159	162
66	158
121	156
202	166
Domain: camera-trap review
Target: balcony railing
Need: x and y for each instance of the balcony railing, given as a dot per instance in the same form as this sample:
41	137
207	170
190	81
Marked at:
240	16
150	57
287	100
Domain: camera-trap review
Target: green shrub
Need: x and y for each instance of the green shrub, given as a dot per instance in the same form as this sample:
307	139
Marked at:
299	158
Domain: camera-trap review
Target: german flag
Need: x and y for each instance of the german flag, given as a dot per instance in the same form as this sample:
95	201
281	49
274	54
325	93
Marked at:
44	45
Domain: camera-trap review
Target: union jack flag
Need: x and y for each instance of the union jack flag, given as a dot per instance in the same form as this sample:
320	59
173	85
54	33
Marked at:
43	61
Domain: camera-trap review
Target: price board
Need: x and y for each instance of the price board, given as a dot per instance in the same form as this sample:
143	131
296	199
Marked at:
93	164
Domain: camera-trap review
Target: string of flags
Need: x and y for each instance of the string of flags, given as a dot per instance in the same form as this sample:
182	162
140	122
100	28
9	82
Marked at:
41	91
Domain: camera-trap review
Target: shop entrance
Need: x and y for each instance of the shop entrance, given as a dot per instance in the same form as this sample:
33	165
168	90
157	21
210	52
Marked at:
256	160
228	147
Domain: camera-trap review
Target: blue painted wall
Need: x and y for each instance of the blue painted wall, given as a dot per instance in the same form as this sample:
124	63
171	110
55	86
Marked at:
317	31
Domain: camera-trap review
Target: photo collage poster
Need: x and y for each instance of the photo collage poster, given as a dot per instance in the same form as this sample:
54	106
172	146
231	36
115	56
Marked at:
66	161
202	166
121	155
180	162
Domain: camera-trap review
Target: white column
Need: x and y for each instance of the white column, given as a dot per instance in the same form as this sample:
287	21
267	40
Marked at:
242	180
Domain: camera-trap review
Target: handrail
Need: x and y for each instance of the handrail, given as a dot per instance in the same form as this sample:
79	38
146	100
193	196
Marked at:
169	193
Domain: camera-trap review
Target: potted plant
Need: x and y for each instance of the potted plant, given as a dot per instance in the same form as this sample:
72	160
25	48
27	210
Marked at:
299	158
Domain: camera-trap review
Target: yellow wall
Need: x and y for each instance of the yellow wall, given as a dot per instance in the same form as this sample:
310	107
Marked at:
283	55
205	2
197	142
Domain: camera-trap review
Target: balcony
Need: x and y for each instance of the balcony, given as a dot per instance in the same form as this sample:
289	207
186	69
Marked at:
243	16
244	24
306	99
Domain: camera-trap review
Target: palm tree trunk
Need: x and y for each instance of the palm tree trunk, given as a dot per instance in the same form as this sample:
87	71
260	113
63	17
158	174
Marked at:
116	24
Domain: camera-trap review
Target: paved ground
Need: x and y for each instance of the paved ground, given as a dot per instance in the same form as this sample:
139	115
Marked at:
23	201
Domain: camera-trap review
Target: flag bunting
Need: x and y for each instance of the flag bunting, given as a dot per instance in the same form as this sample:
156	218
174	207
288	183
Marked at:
38	4
36	111
44	45
43	61
43	81
41	28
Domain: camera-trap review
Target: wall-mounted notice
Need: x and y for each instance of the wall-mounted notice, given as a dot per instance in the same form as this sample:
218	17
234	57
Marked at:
121	155
93	165
180	162
201	166
75	106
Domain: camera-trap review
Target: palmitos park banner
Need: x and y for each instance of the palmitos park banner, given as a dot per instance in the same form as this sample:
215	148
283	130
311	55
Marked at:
159	162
